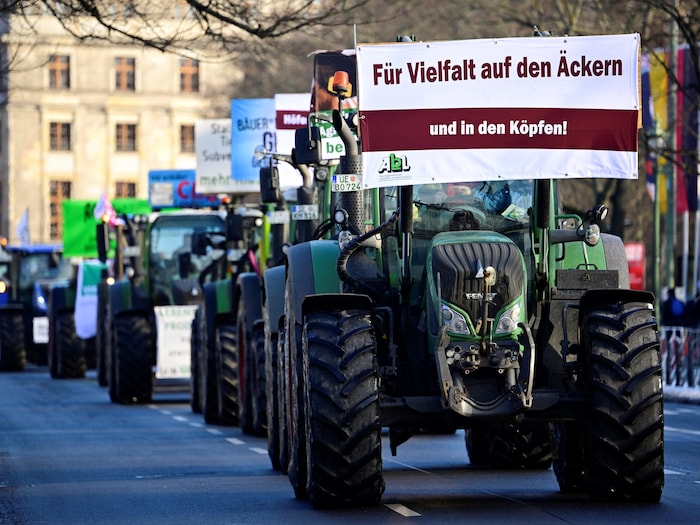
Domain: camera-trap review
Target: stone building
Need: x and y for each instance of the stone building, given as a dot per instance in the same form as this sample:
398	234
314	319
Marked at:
79	119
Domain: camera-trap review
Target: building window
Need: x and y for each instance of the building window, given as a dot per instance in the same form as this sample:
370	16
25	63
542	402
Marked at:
59	72
126	137
124	74
189	75
60	136
125	190
60	190
187	138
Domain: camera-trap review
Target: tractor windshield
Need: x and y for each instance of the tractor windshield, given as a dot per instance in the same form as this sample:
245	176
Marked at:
489	205
170	249
43	266
500	206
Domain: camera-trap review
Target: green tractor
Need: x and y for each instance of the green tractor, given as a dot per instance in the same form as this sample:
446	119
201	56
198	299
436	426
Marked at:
309	221
214	358
476	306
145	311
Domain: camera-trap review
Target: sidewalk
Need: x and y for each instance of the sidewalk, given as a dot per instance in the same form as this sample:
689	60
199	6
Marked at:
682	394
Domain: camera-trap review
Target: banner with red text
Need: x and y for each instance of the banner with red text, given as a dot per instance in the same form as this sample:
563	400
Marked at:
540	107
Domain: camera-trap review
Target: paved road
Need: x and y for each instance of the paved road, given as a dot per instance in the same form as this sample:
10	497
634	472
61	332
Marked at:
69	456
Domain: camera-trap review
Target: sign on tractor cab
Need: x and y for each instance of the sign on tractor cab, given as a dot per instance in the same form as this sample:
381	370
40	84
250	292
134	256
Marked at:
512	108
324	99
79	239
176	189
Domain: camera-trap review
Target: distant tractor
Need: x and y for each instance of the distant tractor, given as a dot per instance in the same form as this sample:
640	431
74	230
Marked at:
28	274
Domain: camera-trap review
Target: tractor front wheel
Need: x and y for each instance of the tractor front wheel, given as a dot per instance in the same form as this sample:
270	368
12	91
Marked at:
623	445
343	438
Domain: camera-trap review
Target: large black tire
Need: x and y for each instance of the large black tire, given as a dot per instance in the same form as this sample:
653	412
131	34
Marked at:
102	337
568	440
246	372
523	445
67	355
282	402
272	408
210	372
344	444
294	405
196	345
623	445
259	381
13	352
228	386
133	356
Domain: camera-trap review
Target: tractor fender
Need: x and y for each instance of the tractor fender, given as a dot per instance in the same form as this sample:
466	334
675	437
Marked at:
311	270
616	258
273	287
218	301
124	297
62	298
248	290
336	301
613	295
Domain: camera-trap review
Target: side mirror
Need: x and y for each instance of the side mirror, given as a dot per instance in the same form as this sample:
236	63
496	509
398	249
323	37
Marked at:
270	185
235	229
200	242
307	145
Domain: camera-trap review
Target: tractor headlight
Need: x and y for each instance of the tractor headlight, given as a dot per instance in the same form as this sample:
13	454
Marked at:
509	320
455	321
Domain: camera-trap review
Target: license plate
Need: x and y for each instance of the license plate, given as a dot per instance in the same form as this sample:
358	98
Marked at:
305	212
346	182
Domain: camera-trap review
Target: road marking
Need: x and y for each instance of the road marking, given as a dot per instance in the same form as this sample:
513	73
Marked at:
402	509
259	450
235	441
166	412
181	419
214	431
671	471
196	425
405	465
682	430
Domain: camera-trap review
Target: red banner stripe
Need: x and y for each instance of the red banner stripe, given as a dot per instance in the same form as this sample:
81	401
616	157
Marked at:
290	119
492	128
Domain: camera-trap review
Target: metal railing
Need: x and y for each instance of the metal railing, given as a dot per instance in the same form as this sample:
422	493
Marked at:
680	355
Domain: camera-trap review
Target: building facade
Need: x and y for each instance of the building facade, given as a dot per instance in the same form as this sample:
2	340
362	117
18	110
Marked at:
79	119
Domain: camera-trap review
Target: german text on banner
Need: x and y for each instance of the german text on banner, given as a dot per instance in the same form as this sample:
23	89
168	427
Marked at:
514	108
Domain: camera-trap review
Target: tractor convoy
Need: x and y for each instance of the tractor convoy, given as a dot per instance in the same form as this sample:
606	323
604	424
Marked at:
323	316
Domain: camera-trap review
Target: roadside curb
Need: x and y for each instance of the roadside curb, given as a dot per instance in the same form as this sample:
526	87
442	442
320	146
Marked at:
682	394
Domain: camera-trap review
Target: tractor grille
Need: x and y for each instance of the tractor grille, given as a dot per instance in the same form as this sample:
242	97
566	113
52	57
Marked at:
458	265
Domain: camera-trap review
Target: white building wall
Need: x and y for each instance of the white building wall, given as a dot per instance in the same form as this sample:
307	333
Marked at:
93	108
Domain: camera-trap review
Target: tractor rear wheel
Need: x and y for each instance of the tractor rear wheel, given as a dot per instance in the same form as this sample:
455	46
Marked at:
272	410
259	381
523	445
343	438
68	359
133	355
13	352
229	379
196	346
209	378
621	371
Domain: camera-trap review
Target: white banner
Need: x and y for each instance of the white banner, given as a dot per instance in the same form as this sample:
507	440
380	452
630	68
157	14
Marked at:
213	151
492	109
174	326
89	276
